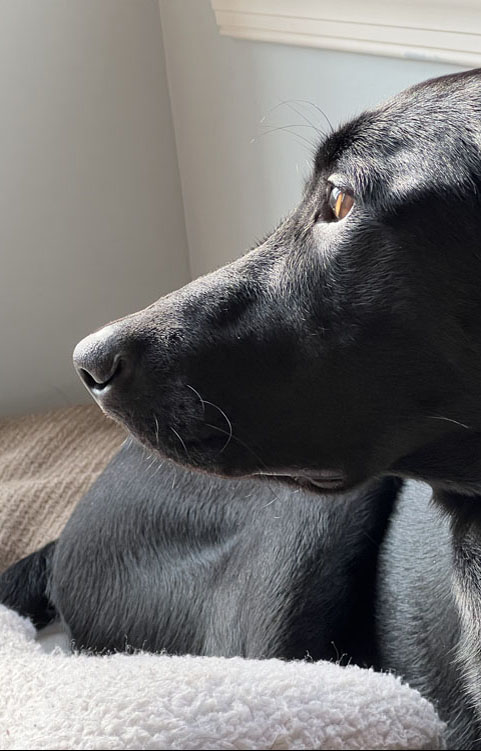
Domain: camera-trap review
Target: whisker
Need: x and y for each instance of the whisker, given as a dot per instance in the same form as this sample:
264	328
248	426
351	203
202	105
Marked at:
316	106
289	102
288	129
156	430
450	419
228	423
181	440
197	394
240	442
308	121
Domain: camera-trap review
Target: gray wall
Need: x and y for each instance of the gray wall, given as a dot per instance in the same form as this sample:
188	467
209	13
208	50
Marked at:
91	220
234	190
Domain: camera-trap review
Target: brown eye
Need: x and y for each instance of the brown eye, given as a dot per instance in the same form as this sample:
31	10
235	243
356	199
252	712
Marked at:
340	201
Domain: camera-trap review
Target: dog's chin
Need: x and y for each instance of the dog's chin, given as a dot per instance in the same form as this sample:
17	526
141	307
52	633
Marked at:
220	457
238	464
206	456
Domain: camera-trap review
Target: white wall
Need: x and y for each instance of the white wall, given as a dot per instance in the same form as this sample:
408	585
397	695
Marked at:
235	191
91	222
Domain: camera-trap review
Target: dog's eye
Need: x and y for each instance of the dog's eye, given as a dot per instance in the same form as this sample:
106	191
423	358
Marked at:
340	201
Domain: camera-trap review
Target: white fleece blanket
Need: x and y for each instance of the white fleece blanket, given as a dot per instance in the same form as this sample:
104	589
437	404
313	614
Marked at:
143	701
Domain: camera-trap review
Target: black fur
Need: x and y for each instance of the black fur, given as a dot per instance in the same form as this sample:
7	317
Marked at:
24	586
201	565
305	379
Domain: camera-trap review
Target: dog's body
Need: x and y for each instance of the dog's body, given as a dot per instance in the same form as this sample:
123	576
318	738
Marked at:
217	566
342	354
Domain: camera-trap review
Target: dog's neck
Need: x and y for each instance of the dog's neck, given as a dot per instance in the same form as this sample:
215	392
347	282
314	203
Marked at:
451	465
464	513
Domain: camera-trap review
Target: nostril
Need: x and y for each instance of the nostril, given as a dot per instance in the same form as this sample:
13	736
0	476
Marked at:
94	383
89	381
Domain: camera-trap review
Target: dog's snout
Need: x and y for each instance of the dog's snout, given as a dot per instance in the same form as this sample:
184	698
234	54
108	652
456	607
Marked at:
100	361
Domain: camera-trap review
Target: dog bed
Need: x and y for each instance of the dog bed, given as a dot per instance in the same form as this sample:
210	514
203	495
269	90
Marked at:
55	700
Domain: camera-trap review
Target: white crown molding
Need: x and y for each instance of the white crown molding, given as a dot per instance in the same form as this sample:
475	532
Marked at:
447	31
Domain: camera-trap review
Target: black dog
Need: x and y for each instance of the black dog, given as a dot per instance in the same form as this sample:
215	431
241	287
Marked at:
333	361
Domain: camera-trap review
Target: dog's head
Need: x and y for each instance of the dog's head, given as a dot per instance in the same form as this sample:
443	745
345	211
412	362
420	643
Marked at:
346	345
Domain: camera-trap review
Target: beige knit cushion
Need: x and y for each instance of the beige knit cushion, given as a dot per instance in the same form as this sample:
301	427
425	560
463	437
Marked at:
47	462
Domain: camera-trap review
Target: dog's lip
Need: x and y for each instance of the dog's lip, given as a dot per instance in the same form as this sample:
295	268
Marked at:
324	479
332	483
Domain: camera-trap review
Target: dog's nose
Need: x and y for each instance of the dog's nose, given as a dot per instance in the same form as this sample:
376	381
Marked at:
100	361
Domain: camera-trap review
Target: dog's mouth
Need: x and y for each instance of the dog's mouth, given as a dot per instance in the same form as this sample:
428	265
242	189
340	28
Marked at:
329	483
219	453
327	480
